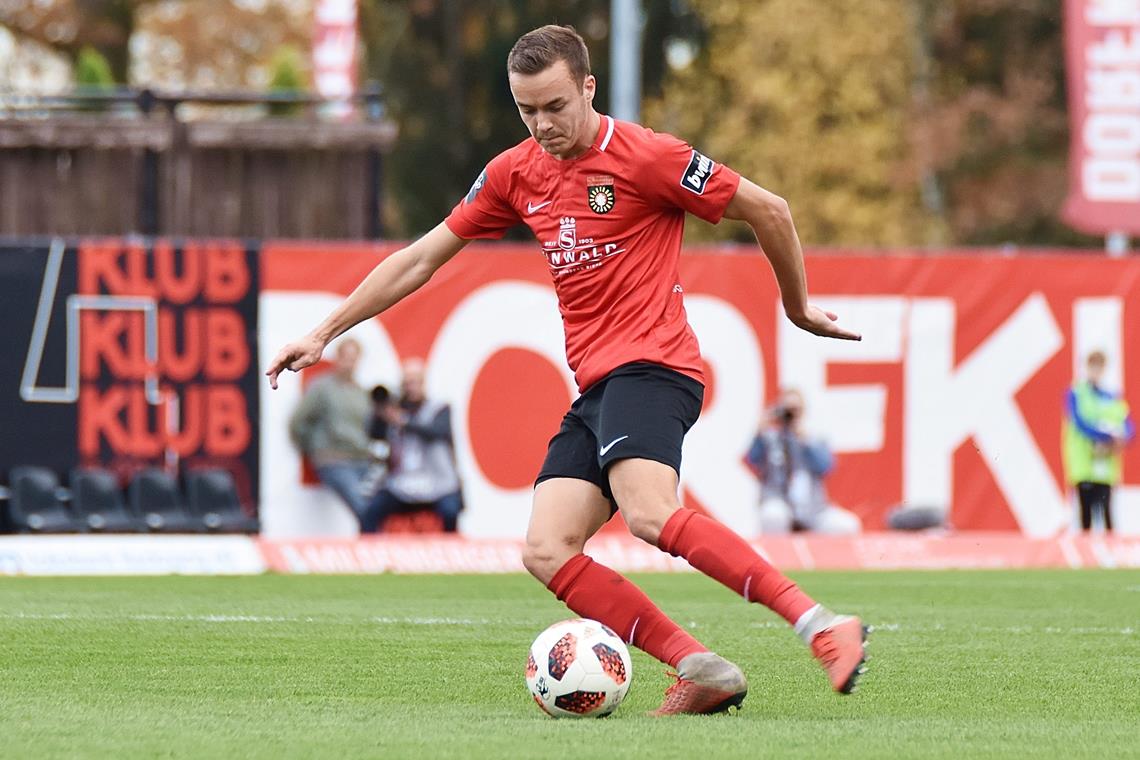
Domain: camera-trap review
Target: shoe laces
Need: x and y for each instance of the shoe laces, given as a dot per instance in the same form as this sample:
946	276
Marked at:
675	693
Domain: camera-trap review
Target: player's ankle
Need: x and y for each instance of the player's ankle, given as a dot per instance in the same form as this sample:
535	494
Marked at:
817	619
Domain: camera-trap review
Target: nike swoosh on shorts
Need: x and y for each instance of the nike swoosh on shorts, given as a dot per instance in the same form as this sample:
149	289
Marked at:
610	445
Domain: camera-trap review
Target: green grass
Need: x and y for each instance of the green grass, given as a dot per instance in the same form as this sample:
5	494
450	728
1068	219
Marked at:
965	664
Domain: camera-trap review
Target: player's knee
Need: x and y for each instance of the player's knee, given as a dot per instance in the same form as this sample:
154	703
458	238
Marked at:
646	521
543	559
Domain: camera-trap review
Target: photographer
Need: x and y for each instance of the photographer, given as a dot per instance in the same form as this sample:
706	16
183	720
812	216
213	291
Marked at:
791	468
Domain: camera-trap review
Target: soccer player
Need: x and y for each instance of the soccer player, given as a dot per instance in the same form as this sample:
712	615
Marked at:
607	201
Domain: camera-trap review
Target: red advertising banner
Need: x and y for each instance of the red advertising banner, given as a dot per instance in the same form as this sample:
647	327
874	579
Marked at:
126	354
953	400
1102	43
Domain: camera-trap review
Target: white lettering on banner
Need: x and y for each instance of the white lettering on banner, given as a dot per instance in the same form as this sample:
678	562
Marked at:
1111	180
525	316
1112	12
946	406
852	417
1110	134
1116	49
1113	89
1113	133
713	466
335	12
289	508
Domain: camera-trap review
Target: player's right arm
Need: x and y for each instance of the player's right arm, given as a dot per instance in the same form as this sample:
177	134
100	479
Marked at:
391	280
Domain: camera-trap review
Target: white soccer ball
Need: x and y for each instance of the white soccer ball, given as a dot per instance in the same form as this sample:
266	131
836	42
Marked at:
578	669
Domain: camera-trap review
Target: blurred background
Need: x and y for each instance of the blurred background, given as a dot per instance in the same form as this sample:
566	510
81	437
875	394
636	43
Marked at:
187	184
886	122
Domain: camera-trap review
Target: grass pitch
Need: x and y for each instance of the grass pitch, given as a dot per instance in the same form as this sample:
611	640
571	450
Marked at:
964	664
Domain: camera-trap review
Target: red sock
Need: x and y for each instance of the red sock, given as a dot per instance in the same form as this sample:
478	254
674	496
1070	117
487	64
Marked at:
596	592
726	557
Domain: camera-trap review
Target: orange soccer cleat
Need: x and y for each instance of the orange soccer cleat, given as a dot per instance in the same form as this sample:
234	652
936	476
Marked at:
706	683
840	649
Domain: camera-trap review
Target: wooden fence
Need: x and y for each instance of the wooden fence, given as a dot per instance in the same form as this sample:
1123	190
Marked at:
116	172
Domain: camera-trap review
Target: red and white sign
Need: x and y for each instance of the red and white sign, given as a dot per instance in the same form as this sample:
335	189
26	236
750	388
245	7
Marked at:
877	551
244	555
1102	42
953	399
334	48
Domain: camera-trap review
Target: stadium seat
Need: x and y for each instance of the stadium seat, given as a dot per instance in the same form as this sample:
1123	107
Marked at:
97	501
156	500
34	503
214	500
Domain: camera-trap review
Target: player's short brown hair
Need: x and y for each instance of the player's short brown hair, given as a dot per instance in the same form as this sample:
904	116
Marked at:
541	48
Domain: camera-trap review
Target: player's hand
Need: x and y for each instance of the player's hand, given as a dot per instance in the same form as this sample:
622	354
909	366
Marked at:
823	323
294	357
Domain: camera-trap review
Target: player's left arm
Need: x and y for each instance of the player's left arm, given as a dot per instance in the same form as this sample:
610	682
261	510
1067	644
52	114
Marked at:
771	221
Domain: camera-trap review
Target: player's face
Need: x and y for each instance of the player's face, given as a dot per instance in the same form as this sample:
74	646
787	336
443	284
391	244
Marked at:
555	109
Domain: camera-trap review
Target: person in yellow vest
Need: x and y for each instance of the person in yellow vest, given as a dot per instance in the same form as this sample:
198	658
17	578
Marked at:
1097	427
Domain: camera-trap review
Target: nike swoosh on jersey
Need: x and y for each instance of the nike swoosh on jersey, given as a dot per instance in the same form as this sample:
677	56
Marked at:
610	445
531	208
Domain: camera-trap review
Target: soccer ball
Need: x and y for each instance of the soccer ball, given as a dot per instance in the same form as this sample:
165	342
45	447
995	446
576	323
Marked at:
578	669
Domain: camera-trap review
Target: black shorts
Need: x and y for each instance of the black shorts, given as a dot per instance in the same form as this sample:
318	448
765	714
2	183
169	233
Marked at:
637	411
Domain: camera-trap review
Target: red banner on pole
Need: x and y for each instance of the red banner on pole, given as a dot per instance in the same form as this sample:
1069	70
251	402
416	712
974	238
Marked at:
1102	43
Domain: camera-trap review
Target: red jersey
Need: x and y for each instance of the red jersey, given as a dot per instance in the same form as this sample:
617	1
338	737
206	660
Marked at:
610	223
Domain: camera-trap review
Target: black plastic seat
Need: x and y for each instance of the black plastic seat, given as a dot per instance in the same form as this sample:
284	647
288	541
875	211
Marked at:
34	503
156	500
97	501
214	500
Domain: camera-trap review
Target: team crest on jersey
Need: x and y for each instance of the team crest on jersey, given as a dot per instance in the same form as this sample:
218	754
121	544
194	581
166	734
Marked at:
600	193
568	233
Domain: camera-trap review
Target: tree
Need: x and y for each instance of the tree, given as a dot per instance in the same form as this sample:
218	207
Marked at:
442	65
811	100
92	69
287	77
997	129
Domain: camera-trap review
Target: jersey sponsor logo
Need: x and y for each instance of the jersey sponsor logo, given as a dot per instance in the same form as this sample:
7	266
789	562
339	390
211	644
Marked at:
474	191
697	173
569	253
600	193
532	207
568	233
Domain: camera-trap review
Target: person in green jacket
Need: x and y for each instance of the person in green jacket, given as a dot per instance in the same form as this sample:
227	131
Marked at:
330	426
1096	429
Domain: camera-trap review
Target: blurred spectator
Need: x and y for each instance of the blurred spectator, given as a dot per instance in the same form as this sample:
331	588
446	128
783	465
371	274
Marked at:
1097	427
421	467
330	427
791	468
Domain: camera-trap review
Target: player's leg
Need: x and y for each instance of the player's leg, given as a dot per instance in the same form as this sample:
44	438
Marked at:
569	507
646	492
567	511
645	415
